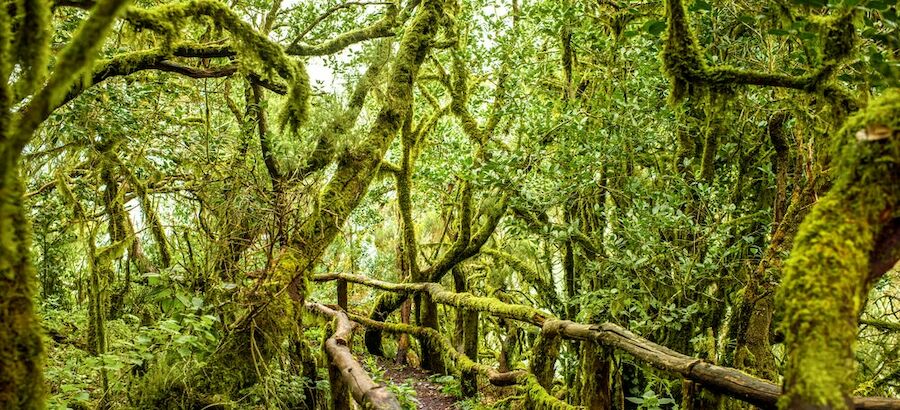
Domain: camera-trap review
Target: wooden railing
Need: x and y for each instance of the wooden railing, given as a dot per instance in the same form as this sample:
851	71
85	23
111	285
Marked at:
727	381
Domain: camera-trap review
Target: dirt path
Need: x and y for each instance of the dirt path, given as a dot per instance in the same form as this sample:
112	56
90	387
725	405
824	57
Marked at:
428	393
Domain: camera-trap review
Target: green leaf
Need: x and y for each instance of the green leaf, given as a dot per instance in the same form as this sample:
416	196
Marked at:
655	27
701	5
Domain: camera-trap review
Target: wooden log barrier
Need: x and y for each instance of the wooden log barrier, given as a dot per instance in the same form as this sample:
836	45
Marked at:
724	380
346	374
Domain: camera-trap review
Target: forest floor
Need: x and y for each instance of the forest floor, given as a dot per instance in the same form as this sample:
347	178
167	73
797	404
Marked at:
428	392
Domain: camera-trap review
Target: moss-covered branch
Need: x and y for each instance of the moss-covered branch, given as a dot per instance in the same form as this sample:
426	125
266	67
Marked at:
72	61
545	289
324	151
687	69
494	210
442	296
255	51
359	165
382	28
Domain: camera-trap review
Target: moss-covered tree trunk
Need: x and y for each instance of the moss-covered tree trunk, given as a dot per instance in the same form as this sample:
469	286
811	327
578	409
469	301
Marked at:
260	333
544	355
848	241
21	349
753	319
466	335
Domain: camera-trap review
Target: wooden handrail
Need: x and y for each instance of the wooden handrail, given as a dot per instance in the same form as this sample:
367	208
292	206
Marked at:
345	373
724	380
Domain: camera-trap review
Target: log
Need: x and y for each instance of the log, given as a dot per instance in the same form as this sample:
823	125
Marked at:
345	373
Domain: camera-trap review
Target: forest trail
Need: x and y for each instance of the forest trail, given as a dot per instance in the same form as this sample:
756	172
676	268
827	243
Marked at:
428	393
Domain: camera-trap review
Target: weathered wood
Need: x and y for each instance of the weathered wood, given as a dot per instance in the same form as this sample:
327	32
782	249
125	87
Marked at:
345	373
724	380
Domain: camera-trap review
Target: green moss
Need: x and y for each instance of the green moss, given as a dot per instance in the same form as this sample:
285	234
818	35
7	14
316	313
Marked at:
689	74
827	277
839	38
71	63
542	285
682	57
6	64
537	398
544	354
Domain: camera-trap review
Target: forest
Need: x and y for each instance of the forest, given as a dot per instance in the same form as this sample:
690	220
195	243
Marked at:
450	204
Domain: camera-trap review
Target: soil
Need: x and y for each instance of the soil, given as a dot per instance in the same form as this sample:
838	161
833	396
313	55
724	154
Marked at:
428	393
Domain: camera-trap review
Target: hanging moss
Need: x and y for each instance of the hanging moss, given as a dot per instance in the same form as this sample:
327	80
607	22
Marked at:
828	276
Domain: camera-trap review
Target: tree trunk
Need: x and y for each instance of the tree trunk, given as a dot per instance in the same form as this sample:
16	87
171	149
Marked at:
596	391
469	381
543	356
21	350
847	242
432	358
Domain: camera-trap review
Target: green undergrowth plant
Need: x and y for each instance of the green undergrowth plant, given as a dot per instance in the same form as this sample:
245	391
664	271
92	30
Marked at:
404	392
650	401
449	384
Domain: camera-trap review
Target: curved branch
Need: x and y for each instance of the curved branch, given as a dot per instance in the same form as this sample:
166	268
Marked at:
126	64
686	66
381	28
